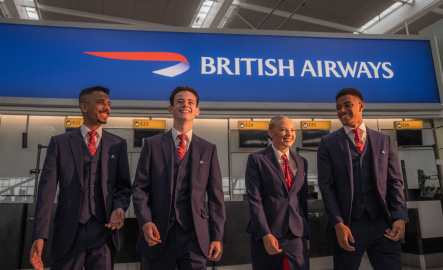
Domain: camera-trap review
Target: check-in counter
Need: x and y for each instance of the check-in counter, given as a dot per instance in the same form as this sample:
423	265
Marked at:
424	235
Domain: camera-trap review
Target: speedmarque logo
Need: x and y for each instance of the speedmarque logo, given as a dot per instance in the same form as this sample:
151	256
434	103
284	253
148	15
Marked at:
151	56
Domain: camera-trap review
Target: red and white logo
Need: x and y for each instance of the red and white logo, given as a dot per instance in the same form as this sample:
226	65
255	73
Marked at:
151	56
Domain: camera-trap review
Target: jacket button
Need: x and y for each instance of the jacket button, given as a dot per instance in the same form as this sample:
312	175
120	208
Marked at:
173	218
92	198
287	198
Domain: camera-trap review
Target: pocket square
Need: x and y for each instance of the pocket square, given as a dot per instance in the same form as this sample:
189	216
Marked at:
201	161
382	151
112	156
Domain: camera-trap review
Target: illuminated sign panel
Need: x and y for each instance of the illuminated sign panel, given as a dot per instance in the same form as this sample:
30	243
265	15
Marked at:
149	124
316	124
73	122
409	124
253	125
145	65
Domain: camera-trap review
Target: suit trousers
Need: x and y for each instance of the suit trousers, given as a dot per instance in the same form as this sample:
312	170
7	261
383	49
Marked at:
92	249
368	233
181	249
295	249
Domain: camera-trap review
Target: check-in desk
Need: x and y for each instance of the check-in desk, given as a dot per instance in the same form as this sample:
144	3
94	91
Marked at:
424	235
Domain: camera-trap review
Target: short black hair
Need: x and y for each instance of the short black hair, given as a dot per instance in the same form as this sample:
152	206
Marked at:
89	90
349	91
180	89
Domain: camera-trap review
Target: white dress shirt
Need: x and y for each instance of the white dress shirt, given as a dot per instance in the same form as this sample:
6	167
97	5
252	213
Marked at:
84	129
351	134
291	160
177	140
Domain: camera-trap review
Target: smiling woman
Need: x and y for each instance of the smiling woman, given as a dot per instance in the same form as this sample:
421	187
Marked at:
282	132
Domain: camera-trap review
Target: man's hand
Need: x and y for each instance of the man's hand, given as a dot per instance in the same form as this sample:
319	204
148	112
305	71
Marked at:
36	254
151	234
398	230
271	244
215	251
344	235
117	219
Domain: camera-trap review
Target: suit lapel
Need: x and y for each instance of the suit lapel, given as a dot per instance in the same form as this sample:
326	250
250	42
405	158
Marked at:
105	143
299	177
375	151
76	149
271	159
342	139
195	149
168	156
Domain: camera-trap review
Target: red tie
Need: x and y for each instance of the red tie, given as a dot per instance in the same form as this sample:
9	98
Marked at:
91	143
287	172
285	263
358	141
182	146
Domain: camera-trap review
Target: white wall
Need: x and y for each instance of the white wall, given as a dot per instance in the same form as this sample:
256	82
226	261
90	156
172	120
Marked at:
15	161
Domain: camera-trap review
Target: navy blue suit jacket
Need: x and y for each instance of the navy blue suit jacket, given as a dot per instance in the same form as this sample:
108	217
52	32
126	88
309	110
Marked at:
64	167
153	184
335	178
273	208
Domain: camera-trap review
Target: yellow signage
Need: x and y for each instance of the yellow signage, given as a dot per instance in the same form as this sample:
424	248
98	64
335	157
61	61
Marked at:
149	124
73	122
253	124
409	124
316	125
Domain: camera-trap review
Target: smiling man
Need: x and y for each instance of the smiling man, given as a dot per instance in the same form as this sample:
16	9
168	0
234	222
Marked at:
362	190
174	171
90	167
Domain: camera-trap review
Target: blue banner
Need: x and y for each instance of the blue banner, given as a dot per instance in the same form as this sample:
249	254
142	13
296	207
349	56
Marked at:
58	62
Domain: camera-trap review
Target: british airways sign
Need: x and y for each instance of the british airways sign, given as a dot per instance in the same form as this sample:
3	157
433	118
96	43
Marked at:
57	62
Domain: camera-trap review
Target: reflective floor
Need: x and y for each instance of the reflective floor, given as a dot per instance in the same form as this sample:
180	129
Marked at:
323	263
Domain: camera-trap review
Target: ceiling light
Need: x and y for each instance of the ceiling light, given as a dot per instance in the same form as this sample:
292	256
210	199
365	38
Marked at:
202	13
384	14
32	13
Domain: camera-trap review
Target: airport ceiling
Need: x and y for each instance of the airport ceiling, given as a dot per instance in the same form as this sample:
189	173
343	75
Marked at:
339	16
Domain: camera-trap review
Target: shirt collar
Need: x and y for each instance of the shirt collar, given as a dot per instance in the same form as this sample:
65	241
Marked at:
84	129
362	127
175	133
279	154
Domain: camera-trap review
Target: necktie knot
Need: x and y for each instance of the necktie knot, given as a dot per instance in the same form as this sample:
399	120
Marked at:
356	131
285	158
182	137
92	134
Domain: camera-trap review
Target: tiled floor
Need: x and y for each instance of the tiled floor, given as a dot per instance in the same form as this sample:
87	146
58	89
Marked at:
323	263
